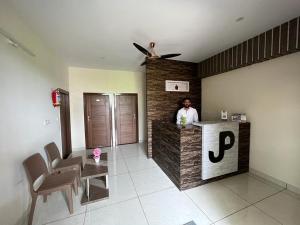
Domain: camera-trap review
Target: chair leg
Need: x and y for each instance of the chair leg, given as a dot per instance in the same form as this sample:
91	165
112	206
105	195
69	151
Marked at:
45	198
69	199
32	207
75	185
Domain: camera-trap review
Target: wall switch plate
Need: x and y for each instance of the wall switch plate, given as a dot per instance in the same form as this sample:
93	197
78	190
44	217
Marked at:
46	122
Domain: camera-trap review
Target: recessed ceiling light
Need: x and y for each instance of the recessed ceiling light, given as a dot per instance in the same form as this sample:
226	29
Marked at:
239	19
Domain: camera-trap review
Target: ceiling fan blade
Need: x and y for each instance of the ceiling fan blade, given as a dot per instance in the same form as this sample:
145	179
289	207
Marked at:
144	63
143	50
169	55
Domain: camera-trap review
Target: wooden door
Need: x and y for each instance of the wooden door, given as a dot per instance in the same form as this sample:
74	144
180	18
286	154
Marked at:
97	117
65	123
127	118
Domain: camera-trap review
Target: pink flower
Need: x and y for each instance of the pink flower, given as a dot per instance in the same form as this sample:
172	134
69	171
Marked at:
97	152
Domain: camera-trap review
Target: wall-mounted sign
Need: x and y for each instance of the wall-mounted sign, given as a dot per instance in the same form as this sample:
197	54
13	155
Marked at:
179	86
219	149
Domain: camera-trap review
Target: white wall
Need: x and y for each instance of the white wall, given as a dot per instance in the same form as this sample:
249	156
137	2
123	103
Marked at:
102	81
269	93
25	87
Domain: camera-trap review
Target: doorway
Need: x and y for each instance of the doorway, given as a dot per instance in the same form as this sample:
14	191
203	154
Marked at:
126	118
110	126
97	117
65	123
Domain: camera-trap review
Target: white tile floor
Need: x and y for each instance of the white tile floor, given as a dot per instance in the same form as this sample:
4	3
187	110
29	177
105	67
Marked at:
141	194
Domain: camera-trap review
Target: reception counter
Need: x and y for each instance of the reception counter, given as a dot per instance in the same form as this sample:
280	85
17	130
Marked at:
195	155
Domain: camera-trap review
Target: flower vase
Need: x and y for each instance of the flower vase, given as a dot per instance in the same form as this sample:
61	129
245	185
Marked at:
97	159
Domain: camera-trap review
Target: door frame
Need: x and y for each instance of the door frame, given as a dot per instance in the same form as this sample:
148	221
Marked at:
136	113
86	119
65	150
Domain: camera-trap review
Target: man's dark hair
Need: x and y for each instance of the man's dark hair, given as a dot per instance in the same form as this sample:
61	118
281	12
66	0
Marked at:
186	98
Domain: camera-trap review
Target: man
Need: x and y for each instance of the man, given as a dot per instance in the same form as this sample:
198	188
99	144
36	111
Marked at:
187	114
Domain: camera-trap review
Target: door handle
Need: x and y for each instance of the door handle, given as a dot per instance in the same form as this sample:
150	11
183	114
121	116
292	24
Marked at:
134	116
88	118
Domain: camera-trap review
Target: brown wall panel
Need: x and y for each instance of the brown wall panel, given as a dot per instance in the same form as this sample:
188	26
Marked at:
276	42
234	57
239	55
222	62
226	60
280	40
268	44
255	49
292	35
298	34
244	53
262	49
284	38
157	72
230	66
249	52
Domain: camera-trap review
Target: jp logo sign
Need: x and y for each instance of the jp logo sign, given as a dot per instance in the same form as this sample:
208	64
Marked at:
226	141
219	149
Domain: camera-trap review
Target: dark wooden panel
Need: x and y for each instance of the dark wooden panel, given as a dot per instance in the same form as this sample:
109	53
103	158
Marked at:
298	34
208	67
234	57
65	123
276	42
239	55
284	38
262	49
244	147
249	52
222	62
226	67
230	66
255	49
157	72
217	64
292	35
269	44
279	41
244	53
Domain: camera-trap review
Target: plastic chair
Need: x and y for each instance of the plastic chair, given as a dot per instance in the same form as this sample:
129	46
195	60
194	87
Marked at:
59	165
43	183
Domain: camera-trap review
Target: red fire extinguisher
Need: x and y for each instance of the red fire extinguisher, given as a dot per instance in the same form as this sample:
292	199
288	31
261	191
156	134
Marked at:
56	98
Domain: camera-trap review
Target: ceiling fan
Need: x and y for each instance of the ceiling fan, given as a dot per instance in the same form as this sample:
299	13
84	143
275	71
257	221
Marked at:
151	53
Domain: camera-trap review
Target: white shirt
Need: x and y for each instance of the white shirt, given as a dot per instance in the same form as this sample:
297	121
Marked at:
190	114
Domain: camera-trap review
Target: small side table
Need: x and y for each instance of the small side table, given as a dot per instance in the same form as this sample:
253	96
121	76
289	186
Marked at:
93	192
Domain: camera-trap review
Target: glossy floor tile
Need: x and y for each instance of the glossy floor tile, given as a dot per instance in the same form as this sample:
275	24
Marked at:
56	208
117	167
139	163
249	188
120	189
216	201
171	207
150	180
141	194
124	213
248	216
73	220
283	207
113	153
133	150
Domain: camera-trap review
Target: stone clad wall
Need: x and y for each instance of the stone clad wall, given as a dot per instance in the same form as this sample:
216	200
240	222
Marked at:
162	105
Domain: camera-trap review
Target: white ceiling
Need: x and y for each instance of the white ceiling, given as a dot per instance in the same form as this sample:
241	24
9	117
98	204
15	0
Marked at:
99	33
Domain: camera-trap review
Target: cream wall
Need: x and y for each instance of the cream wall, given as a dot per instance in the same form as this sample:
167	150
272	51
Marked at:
25	87
269	93
102	81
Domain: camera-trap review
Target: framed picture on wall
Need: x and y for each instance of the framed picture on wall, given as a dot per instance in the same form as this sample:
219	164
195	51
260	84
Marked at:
177	86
